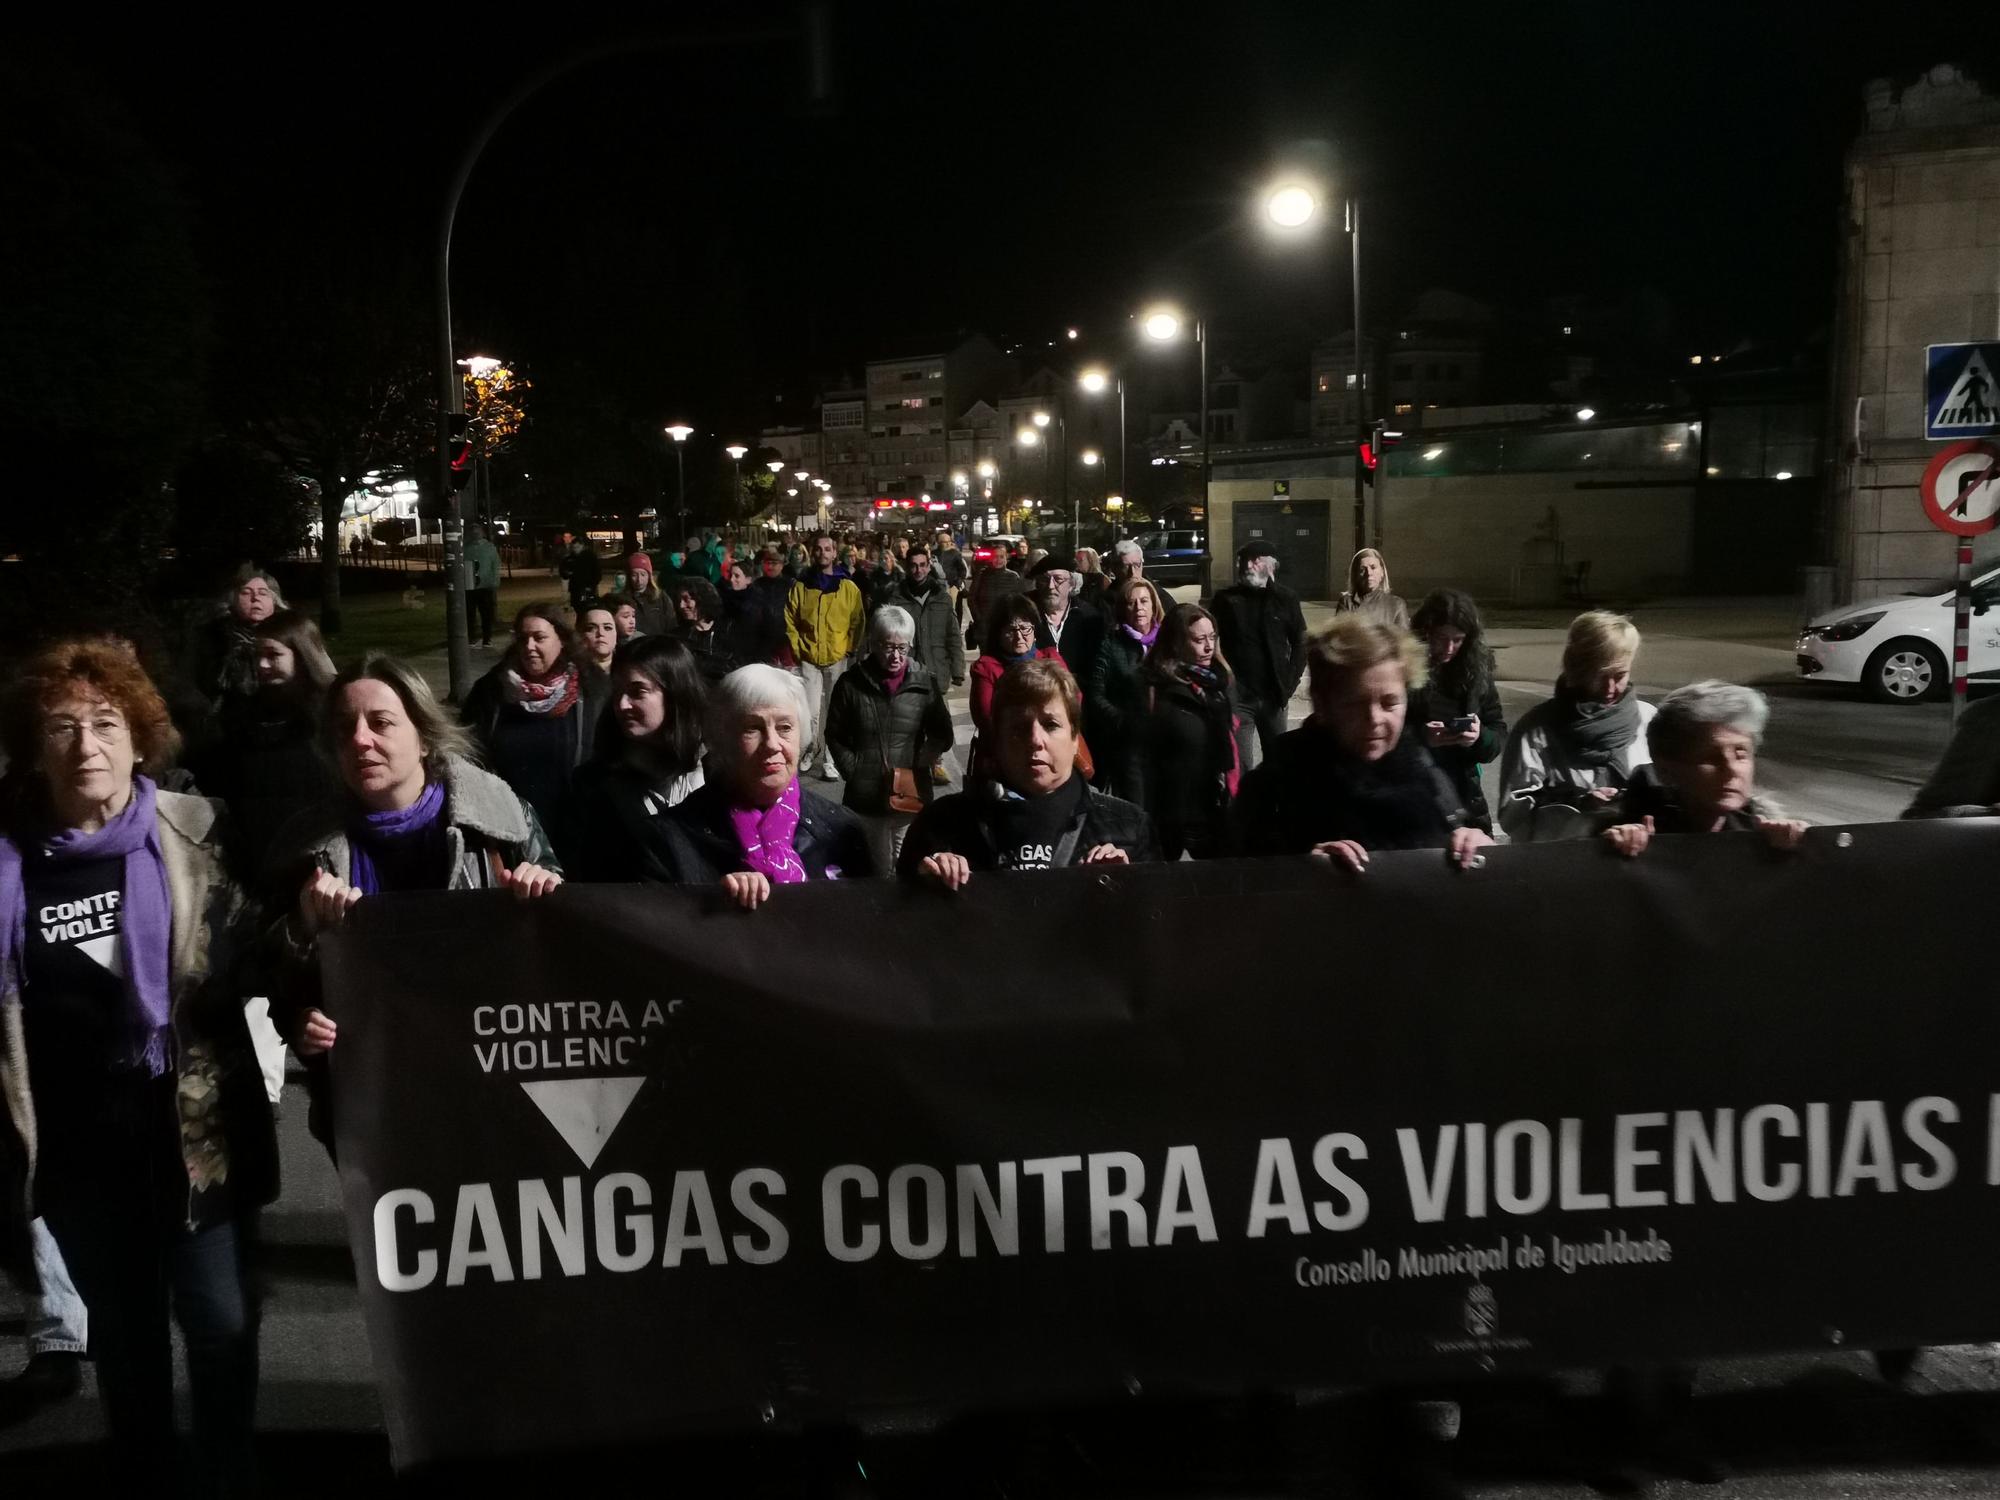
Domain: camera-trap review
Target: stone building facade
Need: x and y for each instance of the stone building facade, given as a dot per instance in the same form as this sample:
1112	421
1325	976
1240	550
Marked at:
1920	265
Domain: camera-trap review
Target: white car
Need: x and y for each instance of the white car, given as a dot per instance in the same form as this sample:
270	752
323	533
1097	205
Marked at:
1899	648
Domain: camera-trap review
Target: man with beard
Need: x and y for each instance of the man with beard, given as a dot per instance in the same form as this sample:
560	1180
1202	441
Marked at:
1073	628
1262	631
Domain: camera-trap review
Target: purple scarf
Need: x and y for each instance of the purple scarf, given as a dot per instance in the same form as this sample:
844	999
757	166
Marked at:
766	837
145	917
383	832
1145	640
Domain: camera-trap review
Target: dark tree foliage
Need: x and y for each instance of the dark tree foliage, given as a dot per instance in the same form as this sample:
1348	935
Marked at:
235	503
103	341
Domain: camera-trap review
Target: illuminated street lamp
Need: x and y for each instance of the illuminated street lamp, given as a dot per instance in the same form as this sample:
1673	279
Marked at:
680	432
802	475
1163	325
1041	419
1291	206
736	452
1089	456
1027	437
480	365
1095	382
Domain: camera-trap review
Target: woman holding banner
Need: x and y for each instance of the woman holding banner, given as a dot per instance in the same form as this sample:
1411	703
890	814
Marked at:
139	1121
413	814
1347	782
647	758
1038	813
753	826
1704	740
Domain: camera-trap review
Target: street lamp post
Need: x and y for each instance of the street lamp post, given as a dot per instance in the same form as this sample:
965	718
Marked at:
735	452
680	432
1094	383
1164	325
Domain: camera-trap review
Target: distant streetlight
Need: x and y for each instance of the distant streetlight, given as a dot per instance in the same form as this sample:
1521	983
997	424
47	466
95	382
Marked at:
1027	437
1585	413
1089	457
986	469
735	452
480	365
1291	206
1072	332
1162	324
680	432
1041	419
958	479
1095	382
776	465
802	475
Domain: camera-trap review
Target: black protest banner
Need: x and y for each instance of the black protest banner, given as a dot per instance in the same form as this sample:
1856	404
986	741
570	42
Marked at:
621	1164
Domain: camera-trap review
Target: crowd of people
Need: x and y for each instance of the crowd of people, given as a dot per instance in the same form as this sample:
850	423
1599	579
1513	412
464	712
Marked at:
739	722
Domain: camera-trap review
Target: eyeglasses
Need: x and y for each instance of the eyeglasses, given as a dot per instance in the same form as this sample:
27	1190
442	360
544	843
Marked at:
890	648
65	734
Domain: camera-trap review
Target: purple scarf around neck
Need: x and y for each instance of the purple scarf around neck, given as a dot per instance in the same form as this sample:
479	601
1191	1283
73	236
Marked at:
145	917
766	836
379	830
1145	640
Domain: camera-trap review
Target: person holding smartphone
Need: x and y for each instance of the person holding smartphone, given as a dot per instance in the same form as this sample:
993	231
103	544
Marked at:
1456	714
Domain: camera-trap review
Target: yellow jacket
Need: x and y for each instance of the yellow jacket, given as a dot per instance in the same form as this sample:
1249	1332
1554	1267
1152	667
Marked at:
824	626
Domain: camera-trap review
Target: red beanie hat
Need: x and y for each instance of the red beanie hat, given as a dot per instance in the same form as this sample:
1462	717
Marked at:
637	561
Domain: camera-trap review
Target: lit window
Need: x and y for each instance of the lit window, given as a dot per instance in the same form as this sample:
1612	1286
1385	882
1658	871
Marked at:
1350	382
1403	408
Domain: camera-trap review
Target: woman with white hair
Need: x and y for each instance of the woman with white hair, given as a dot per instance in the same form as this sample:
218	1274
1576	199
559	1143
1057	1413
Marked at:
751	826
888	728
1571	759
1704	738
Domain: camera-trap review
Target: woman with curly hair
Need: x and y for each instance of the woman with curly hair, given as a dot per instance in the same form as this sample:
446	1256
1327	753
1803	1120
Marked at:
136	1108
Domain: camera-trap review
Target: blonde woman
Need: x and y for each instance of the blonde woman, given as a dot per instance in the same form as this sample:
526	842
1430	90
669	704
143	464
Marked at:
1570	760
1368	592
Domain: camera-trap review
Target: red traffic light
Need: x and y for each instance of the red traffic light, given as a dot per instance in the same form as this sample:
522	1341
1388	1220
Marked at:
458	450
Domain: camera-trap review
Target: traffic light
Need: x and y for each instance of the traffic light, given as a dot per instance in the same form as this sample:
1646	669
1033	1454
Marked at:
1371	450
458	450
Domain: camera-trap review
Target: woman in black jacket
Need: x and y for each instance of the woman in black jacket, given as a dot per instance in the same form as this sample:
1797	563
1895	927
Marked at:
535	716
754	826
1456	714
1116	691
265	762
720	643
888	715
1191	736
647	758
1347	782
1037	813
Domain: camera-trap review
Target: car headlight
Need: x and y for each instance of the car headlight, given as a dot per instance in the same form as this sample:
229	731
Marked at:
1847	629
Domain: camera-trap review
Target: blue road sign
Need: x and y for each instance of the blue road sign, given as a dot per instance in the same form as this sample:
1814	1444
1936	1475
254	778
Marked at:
1961	395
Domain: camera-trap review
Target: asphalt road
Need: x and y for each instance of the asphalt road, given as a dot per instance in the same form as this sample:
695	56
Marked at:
1816	1426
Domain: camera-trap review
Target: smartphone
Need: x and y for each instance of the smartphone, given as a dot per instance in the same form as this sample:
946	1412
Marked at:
1460	723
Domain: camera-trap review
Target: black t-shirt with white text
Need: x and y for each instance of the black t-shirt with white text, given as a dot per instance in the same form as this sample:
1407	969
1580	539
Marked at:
75	1009
1027	830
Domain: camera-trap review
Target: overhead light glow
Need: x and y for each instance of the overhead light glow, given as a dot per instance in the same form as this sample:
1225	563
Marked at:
1162	325
736	451
1291	205
1071	333
1093	381
1027	437
680	432
1585	413
1782	474
1089	456
1433	453
1041	419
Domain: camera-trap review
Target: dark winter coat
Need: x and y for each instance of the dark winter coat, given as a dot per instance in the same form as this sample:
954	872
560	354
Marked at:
1262	632
1083	632
1966	783
698	845
1114	712
961	824
654	610
582	571
1192	751
543	774
990	585
1309	791
718	651
265	765
937	644
769	596
871	734
225	1128
618	812
1451	694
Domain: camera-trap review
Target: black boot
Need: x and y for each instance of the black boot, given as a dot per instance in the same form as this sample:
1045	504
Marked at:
47	1379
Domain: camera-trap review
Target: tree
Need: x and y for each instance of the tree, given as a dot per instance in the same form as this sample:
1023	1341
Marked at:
333	377
103	342
234	502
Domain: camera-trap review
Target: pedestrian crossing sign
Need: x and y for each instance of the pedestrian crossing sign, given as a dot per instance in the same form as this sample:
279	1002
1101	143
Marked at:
1961	396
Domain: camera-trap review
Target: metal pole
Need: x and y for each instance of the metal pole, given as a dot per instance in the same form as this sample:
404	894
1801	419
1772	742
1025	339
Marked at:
1201	337
1075	522
1961	629
1364	394
681	491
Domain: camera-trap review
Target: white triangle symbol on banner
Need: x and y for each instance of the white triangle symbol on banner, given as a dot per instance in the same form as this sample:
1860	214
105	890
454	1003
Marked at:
105	951
584	1111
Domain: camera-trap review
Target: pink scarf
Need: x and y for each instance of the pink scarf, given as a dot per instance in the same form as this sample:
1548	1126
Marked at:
766	837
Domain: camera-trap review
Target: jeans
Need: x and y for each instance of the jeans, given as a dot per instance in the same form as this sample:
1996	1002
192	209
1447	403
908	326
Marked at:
57	1321
819	683
481	602
885	833
131	1274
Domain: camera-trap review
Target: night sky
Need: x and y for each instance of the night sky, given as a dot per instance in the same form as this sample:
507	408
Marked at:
684	224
